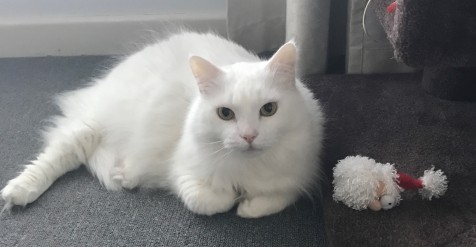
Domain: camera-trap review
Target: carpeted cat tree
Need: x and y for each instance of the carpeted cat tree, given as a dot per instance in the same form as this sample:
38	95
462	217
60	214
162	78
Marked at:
438	36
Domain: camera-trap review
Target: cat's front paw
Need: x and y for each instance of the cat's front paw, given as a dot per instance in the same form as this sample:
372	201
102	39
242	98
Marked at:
18	192
201	199
262	206
251	209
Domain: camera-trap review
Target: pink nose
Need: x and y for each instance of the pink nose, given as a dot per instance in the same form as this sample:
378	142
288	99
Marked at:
249	138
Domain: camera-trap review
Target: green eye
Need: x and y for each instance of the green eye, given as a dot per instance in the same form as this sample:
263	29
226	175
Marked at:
268	109
225	113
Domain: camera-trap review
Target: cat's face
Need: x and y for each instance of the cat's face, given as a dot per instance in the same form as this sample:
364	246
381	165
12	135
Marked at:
247	107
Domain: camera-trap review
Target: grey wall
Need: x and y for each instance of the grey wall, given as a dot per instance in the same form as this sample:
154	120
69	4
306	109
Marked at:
16	9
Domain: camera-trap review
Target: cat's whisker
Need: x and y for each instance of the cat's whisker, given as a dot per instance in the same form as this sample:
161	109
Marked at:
217	151
212	143
213	153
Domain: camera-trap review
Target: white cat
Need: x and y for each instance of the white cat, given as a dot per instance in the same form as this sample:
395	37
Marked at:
217	128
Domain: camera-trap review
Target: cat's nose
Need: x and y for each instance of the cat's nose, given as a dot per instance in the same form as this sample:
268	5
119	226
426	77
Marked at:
249	138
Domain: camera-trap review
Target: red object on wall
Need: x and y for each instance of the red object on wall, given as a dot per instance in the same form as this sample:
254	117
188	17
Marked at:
392	7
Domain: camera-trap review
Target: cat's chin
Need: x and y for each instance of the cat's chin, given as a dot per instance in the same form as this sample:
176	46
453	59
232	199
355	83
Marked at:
251	150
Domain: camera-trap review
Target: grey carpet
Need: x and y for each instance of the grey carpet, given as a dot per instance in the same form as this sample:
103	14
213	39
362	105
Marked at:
390	118
387	117
77	211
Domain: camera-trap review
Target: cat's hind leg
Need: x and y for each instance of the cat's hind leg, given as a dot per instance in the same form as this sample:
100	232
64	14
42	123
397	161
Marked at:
133	172
68	145
123	175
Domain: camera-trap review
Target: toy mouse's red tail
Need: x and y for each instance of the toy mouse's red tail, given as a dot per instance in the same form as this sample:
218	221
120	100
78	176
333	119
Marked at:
407	182
432	184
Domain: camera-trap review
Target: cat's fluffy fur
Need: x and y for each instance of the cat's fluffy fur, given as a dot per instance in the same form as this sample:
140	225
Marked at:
152	122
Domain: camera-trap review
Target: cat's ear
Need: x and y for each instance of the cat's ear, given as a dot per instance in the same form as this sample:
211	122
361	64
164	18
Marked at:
205	73
283	62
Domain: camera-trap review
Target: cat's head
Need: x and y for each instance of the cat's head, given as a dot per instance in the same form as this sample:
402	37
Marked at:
247	107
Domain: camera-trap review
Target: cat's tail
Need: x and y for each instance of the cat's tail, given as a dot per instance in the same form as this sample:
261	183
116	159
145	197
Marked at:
68	145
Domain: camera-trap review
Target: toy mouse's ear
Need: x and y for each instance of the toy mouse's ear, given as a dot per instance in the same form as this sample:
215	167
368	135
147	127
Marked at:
375	205
380	189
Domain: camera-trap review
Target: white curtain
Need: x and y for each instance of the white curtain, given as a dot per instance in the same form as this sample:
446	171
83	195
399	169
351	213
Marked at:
308	23
264	25
258	25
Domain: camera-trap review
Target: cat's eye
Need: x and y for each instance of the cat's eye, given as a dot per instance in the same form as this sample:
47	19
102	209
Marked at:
225	113
268	109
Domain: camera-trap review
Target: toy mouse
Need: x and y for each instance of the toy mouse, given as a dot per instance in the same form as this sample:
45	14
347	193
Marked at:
361	183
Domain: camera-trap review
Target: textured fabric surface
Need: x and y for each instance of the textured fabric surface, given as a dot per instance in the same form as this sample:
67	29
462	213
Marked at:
391	119
369	53
77	211
452	83
435	35
431	32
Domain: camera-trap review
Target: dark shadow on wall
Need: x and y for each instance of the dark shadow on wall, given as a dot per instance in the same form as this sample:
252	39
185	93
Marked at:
337	37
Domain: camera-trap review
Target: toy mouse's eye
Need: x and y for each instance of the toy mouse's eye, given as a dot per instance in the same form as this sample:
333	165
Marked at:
387	202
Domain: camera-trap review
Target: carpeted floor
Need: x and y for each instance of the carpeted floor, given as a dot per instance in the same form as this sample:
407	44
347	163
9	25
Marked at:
77	211
389	118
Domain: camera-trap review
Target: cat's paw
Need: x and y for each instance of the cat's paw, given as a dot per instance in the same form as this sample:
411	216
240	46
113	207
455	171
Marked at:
262	206
251	209
203	200
126	181
18	192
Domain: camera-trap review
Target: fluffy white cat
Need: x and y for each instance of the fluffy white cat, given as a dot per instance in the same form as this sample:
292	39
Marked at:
195	114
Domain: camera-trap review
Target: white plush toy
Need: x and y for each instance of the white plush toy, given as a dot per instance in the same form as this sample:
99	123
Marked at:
361	183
